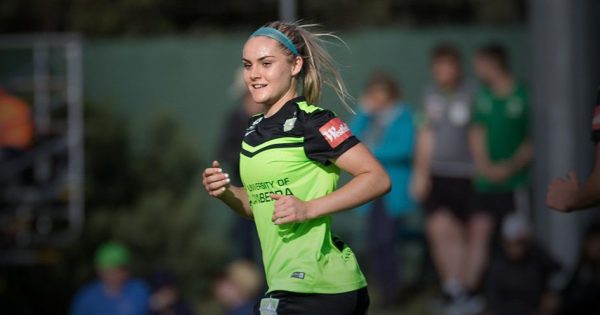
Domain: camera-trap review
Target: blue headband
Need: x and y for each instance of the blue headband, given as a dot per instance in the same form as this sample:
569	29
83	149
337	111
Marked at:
278	36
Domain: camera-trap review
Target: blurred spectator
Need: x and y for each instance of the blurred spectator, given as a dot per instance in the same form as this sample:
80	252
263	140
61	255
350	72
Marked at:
386	126
165	298
443	171
519	277
500	133
565	194
582	294
115	292
244	233
499	139
239	288
16	125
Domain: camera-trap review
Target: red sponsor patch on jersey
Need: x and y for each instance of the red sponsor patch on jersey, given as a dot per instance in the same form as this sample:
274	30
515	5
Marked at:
596	119
335	132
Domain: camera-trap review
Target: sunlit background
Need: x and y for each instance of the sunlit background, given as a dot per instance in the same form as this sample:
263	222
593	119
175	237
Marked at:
129	100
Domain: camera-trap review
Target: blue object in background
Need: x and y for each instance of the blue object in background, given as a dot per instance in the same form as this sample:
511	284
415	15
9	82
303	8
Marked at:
394	148
94	300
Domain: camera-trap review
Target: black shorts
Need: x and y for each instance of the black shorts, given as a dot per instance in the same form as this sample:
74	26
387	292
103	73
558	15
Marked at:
290	303
495	204
454	194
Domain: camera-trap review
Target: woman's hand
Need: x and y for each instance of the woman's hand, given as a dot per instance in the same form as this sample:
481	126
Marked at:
562	192
289	209
497	172
215	181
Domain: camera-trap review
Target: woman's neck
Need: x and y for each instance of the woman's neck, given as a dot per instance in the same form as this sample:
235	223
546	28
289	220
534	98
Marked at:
503	86
271	110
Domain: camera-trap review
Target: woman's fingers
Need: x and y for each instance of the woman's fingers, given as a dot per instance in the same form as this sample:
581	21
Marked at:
215	181
288	209
218	184
211	171
285	219
214	178
218	192
281	213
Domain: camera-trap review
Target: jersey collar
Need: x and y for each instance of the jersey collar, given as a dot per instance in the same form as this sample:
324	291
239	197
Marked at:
287	109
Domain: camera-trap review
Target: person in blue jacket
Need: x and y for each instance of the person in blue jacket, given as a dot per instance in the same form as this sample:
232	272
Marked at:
115	292
386	125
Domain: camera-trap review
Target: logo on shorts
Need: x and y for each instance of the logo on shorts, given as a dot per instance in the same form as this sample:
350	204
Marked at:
596	120
298	275
335	132
268	306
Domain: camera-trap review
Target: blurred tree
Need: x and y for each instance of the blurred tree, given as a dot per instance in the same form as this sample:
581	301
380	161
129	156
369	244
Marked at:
113	17
149	198
110	179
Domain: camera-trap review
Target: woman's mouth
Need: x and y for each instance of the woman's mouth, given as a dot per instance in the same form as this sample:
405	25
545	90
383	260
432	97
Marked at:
258	86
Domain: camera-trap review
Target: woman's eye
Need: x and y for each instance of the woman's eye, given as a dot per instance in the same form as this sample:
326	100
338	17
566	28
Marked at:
266	64
246	66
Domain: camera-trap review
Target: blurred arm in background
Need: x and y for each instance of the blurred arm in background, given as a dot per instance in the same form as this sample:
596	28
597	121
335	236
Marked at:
497	171
564	194
421	183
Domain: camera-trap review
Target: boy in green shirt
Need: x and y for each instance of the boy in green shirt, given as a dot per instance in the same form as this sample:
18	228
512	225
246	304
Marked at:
500	145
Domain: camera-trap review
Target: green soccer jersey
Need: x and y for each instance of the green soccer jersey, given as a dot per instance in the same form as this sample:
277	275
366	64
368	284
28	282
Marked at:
289	153
506	121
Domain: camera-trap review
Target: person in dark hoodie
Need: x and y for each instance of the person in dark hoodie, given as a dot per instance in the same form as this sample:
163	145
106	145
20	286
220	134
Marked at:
519	276
165	298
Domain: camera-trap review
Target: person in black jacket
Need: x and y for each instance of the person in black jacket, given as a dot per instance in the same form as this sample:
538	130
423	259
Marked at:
519	276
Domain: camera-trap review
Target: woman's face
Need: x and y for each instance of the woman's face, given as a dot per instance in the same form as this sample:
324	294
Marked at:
446	71
376	98
268	72
485	69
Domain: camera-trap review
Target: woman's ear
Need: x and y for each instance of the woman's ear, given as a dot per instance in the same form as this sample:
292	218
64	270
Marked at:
297	64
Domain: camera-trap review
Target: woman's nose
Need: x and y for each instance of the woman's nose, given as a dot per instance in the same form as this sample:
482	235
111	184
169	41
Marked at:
254	73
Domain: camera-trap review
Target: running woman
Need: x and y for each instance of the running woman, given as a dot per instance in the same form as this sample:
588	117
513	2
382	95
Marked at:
289	164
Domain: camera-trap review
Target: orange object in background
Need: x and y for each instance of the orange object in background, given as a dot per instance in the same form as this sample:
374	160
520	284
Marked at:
16	124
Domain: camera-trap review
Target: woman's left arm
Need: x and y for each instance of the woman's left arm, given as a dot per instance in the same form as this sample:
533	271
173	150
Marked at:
369	181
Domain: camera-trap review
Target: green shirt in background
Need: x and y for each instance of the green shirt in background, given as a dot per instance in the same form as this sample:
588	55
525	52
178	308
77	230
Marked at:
506	121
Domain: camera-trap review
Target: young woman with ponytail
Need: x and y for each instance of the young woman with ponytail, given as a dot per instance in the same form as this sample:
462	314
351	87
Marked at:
290	161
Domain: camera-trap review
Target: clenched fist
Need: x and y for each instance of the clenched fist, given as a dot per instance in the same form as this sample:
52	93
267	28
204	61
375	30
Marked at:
289	209
215	181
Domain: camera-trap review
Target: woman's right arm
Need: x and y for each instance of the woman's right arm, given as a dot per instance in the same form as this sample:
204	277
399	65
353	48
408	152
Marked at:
217	184
420	182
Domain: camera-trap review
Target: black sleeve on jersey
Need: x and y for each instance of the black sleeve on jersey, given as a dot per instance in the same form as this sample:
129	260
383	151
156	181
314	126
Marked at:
316	146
